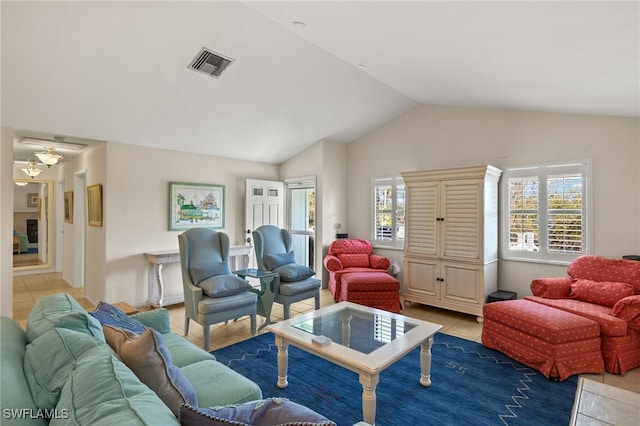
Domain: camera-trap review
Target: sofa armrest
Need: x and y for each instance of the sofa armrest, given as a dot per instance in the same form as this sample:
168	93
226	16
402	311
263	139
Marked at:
14	387
379	262
628	309
332	263
158	319
551	288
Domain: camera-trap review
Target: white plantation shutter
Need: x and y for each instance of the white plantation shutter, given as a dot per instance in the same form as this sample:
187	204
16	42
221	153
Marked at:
546	212
388	212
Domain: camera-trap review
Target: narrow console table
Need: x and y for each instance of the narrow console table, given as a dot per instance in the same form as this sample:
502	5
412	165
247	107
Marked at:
239	259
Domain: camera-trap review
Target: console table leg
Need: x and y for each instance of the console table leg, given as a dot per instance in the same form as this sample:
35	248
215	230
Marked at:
425	362
369	383
283	362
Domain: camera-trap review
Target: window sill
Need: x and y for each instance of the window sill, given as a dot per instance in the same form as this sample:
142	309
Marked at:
540	261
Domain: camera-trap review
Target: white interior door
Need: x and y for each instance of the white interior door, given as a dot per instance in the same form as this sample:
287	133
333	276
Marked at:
264	206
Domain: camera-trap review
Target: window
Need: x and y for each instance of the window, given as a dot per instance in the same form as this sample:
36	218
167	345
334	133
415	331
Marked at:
388	212
545	212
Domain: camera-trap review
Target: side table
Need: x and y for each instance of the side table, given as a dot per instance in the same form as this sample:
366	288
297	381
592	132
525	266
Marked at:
126	308
266	293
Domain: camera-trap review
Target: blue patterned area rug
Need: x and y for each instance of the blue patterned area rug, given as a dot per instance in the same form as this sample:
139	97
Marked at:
471	385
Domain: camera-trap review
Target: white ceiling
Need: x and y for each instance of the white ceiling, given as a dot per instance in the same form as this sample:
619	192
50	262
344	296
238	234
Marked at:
117	71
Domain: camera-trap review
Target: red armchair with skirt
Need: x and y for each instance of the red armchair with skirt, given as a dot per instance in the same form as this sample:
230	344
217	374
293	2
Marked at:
357	275
607	291
586	322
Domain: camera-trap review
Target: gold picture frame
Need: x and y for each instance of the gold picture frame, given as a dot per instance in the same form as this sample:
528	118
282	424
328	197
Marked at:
94	204
68	206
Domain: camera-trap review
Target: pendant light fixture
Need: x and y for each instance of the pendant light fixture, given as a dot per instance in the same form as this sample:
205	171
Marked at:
31	170
49	157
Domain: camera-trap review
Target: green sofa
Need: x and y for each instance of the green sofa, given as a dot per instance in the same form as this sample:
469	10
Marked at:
86	382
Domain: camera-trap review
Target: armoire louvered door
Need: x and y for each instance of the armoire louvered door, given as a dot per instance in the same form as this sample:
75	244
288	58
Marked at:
451	237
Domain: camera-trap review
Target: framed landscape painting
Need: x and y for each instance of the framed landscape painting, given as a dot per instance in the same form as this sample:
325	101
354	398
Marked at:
193	205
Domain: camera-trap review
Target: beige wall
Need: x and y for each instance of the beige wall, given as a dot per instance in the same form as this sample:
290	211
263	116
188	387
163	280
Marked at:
327	162
6	221
432	137
136	194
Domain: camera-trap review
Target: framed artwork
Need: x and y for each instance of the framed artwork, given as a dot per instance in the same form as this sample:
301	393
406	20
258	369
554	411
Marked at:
68	206
193	205
32	200
94	204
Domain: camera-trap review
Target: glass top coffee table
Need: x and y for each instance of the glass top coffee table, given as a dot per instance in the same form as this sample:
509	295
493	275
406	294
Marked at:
359	338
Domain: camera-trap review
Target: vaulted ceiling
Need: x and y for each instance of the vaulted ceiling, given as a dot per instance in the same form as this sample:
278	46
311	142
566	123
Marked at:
303	71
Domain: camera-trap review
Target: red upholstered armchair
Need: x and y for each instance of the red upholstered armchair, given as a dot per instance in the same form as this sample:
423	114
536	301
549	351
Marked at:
351	255
604	290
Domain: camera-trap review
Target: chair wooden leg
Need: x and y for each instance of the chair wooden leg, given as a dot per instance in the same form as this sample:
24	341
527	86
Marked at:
205	336
253	324
186	324
285	307
317	301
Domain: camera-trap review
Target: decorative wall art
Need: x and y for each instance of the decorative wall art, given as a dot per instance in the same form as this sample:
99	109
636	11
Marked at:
68	206
94	204
194	205
32	199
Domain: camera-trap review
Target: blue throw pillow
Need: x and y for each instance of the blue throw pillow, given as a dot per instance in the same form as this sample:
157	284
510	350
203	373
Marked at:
224	285
110	315
294	272
203	271
272	261
264	412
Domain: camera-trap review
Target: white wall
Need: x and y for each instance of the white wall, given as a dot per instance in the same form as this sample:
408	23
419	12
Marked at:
136	196
434	137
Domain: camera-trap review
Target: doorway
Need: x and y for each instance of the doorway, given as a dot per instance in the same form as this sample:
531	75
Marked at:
301	218
290	205
32	228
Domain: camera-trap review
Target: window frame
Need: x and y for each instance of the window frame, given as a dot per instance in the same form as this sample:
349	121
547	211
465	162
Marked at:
396	242
542	171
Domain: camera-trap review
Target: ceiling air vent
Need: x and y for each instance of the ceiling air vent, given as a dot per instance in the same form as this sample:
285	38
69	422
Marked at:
209	62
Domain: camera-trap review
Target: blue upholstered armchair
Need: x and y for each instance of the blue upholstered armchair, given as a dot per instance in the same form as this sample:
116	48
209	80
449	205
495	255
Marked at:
211	293
295	282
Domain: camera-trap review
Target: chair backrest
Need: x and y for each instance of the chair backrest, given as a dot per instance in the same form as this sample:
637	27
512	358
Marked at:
603	269
199	246
269	239
350	246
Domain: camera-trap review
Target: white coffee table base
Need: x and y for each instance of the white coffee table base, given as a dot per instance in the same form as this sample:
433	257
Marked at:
368	381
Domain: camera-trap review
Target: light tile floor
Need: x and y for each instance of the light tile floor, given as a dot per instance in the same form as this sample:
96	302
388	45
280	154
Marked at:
29	288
